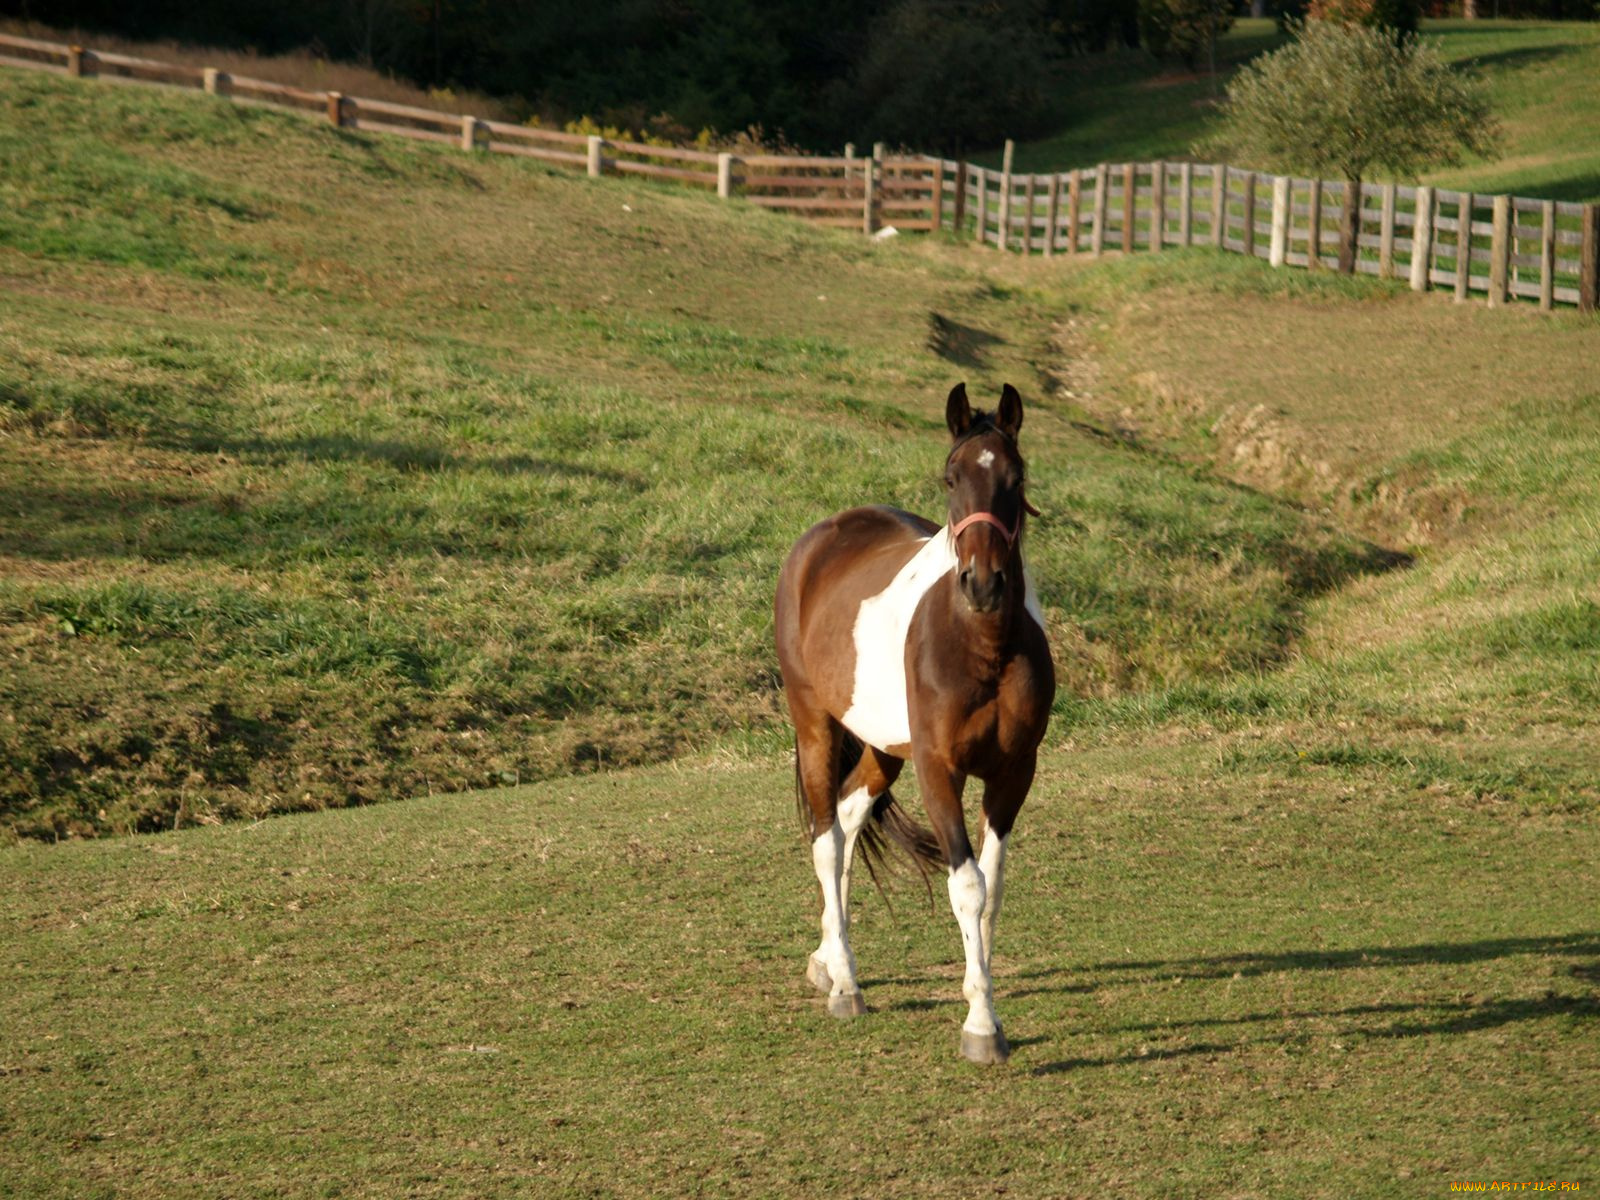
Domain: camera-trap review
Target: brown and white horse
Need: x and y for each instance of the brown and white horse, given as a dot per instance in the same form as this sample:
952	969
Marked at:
899	638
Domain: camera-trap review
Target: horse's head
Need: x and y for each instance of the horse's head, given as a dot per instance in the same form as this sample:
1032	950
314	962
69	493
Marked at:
983	477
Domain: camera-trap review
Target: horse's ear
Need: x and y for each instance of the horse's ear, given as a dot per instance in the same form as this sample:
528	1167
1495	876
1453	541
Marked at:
1009	416
957	411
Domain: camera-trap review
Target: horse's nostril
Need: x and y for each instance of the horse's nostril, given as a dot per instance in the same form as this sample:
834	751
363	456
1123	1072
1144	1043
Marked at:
999	580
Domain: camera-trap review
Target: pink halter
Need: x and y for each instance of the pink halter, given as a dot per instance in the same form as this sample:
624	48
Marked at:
991	519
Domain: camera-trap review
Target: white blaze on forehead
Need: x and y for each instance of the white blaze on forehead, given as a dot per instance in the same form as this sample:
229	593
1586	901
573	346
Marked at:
986	459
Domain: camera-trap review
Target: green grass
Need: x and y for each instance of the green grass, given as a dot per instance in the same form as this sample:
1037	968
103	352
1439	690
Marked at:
1126	106
1215	981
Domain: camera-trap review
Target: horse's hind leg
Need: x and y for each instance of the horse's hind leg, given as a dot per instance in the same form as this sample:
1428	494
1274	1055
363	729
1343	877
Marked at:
832	966
867	780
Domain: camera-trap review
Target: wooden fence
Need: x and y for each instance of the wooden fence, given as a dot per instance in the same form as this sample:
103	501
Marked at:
1504	247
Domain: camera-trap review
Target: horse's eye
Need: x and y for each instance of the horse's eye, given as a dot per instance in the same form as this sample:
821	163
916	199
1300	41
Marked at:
949	482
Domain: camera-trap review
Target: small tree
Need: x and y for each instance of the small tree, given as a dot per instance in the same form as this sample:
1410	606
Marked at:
1348	99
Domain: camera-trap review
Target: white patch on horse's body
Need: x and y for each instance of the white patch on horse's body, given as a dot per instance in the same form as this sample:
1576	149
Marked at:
879	714
1030	598
986	459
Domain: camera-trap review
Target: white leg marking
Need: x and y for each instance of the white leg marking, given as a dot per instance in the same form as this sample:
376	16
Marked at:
854	810
827	855
967	901
992	862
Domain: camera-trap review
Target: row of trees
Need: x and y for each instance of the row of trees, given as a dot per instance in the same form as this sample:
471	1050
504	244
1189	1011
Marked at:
945	74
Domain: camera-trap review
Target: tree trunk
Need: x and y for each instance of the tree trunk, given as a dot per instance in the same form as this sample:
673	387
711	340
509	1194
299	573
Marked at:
1469	9
1258	8
1349	226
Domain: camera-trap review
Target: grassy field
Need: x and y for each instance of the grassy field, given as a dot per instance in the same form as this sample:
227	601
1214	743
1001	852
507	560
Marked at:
337	469
333	470
1127	106
1217	981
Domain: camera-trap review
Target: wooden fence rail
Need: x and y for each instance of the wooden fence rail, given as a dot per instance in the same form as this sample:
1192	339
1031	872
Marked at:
1504	247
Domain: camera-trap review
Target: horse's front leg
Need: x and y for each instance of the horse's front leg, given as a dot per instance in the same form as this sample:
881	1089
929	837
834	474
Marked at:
982	1039
1002	800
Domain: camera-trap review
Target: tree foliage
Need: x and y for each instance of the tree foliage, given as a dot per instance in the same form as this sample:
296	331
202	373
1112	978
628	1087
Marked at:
1183	28
1400	16
948	75
1349	99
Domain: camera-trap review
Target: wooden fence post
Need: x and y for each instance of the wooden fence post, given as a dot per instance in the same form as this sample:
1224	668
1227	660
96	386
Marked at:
1130	197
869	196
1005	194
1219	205
1027	216
75	64
1589	261
981	178
1053	221
724	176
469	132
1159	207
1280	221
1547	256
597	161
1314	226
1500	252
960	216
1186	204
1097	231
1463	246
335	108
1074	209
1386	235
1422	240
1250	214
218	83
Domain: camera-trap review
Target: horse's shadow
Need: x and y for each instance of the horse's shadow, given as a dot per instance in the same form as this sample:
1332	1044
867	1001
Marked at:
1412	1019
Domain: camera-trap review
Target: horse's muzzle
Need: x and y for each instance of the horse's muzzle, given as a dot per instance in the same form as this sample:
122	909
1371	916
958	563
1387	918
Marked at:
984	590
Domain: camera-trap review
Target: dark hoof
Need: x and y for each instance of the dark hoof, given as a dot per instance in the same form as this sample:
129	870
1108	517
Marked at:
846	1004
817	975
986	1048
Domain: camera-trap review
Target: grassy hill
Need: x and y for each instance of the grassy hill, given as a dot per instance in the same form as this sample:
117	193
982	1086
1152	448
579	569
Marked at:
338	468
1127	106
335	470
